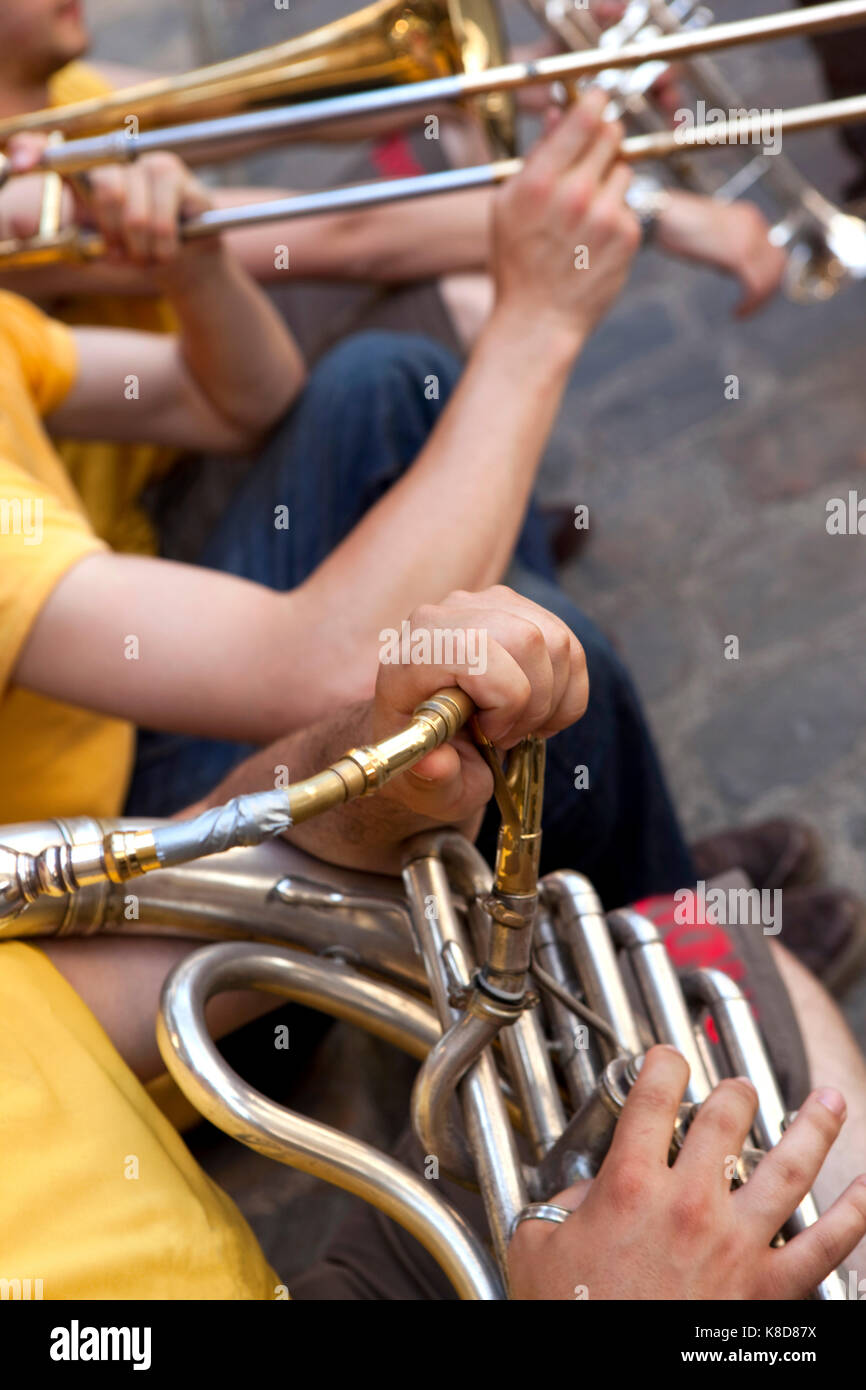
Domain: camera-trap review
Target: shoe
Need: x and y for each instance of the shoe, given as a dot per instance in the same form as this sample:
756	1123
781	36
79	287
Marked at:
825	928
775	854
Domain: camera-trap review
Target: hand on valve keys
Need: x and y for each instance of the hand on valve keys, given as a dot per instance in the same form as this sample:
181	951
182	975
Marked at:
643	1230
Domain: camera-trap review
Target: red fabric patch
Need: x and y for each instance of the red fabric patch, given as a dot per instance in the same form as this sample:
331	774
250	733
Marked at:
394	159
696	946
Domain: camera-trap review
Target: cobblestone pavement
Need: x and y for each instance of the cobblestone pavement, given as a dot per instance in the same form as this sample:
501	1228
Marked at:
707	514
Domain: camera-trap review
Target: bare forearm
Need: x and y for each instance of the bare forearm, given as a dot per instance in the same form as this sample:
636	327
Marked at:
418	239
235	344
182	648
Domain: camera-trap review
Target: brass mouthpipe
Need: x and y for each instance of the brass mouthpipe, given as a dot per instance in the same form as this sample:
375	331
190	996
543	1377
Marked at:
363	770
120	855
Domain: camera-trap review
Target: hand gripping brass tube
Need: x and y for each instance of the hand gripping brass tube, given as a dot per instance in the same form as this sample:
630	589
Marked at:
315	1148
121	855
732	1014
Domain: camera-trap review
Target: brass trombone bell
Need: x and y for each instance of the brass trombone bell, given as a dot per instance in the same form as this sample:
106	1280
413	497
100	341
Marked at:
388	43
845	235
199	139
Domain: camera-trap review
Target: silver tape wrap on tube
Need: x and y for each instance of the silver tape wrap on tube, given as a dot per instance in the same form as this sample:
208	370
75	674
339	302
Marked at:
245	820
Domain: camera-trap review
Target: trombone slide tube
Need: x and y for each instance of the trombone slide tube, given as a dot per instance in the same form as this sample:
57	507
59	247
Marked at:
197	138
655	145
660	144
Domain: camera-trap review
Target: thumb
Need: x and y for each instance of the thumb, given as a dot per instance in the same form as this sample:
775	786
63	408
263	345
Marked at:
24	151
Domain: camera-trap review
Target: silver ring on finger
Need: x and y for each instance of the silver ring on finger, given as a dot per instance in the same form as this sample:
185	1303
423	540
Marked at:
541	1211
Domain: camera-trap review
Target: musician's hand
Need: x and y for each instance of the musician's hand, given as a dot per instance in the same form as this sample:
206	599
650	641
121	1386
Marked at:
21	205
563	236
524	669
733	237
137	208
642	1230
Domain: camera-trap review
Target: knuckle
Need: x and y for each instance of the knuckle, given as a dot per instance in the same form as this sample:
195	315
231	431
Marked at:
534	186
426	615
458	598
723	1117
532	639
163	162
559	643
732	1100
577	196
107	191
828	1246
738	1086
691	1214
630	231
857	1197
825	1124
605	218
628	1186
791	1174
651	1097
520	696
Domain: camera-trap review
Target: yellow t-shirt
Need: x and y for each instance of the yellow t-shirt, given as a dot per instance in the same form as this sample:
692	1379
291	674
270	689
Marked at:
101	1198
55	760
109	478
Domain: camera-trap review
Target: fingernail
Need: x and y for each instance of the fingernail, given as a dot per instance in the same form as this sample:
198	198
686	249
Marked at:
832	1101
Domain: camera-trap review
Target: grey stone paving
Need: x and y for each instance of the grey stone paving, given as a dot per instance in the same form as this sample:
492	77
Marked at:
707	515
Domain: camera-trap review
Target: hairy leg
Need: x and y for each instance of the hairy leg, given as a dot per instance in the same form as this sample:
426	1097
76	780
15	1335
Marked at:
834	1060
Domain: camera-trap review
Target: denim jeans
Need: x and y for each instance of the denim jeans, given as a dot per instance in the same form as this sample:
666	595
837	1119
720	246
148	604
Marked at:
363	418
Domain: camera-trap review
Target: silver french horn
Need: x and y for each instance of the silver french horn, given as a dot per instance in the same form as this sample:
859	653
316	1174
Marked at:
521	1000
